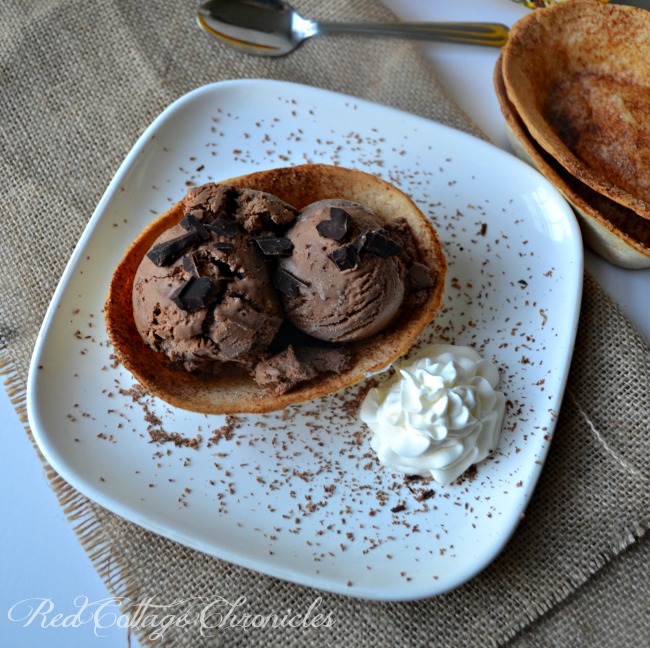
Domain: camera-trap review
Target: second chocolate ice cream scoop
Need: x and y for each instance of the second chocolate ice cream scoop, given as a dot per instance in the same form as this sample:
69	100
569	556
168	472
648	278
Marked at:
344	280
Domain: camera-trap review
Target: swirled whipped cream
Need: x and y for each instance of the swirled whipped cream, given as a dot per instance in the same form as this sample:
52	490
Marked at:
438	414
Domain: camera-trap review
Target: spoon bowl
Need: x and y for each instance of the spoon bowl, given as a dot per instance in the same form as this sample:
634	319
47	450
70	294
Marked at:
274	28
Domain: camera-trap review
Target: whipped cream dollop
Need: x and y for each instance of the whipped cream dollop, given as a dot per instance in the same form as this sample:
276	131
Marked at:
438	414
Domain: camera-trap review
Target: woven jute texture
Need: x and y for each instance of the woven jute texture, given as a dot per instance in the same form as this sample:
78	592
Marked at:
80	81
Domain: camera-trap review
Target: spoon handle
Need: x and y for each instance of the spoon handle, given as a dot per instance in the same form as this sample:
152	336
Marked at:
477	33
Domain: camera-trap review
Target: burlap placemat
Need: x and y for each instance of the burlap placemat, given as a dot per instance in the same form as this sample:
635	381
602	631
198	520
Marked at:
80	82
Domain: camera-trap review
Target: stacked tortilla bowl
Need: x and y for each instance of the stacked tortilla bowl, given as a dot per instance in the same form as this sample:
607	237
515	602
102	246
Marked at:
573	83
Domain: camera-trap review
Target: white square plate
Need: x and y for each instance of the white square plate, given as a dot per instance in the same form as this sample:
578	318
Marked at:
298	494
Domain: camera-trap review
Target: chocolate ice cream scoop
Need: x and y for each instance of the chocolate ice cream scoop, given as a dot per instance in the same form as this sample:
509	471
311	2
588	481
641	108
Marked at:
345	279
203	294
215	302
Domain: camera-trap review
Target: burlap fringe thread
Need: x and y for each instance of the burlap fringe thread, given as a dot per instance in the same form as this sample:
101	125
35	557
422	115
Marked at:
627	467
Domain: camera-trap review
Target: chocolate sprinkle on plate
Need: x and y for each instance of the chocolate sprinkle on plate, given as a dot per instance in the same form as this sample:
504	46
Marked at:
165	253
345	257
335	228
380	244
194	294
191	223
427	494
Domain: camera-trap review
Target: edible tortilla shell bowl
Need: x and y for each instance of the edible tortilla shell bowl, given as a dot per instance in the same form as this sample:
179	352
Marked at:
613	231
562	54
233	390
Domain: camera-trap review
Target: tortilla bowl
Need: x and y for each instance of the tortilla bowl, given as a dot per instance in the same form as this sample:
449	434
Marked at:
233	390
578	76
613	231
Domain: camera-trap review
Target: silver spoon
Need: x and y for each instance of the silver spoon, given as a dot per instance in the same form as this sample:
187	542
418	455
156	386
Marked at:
274	28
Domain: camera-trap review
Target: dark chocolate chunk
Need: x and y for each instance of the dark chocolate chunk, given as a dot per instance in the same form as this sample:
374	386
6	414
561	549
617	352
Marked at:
224	226
224	246
360	241
427	494
335	228
189	264
286	283
380	244
194	294
274	245
166	253
226	271
191	223
344	257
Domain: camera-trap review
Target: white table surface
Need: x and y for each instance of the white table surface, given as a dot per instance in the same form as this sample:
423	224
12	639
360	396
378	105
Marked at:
42	559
